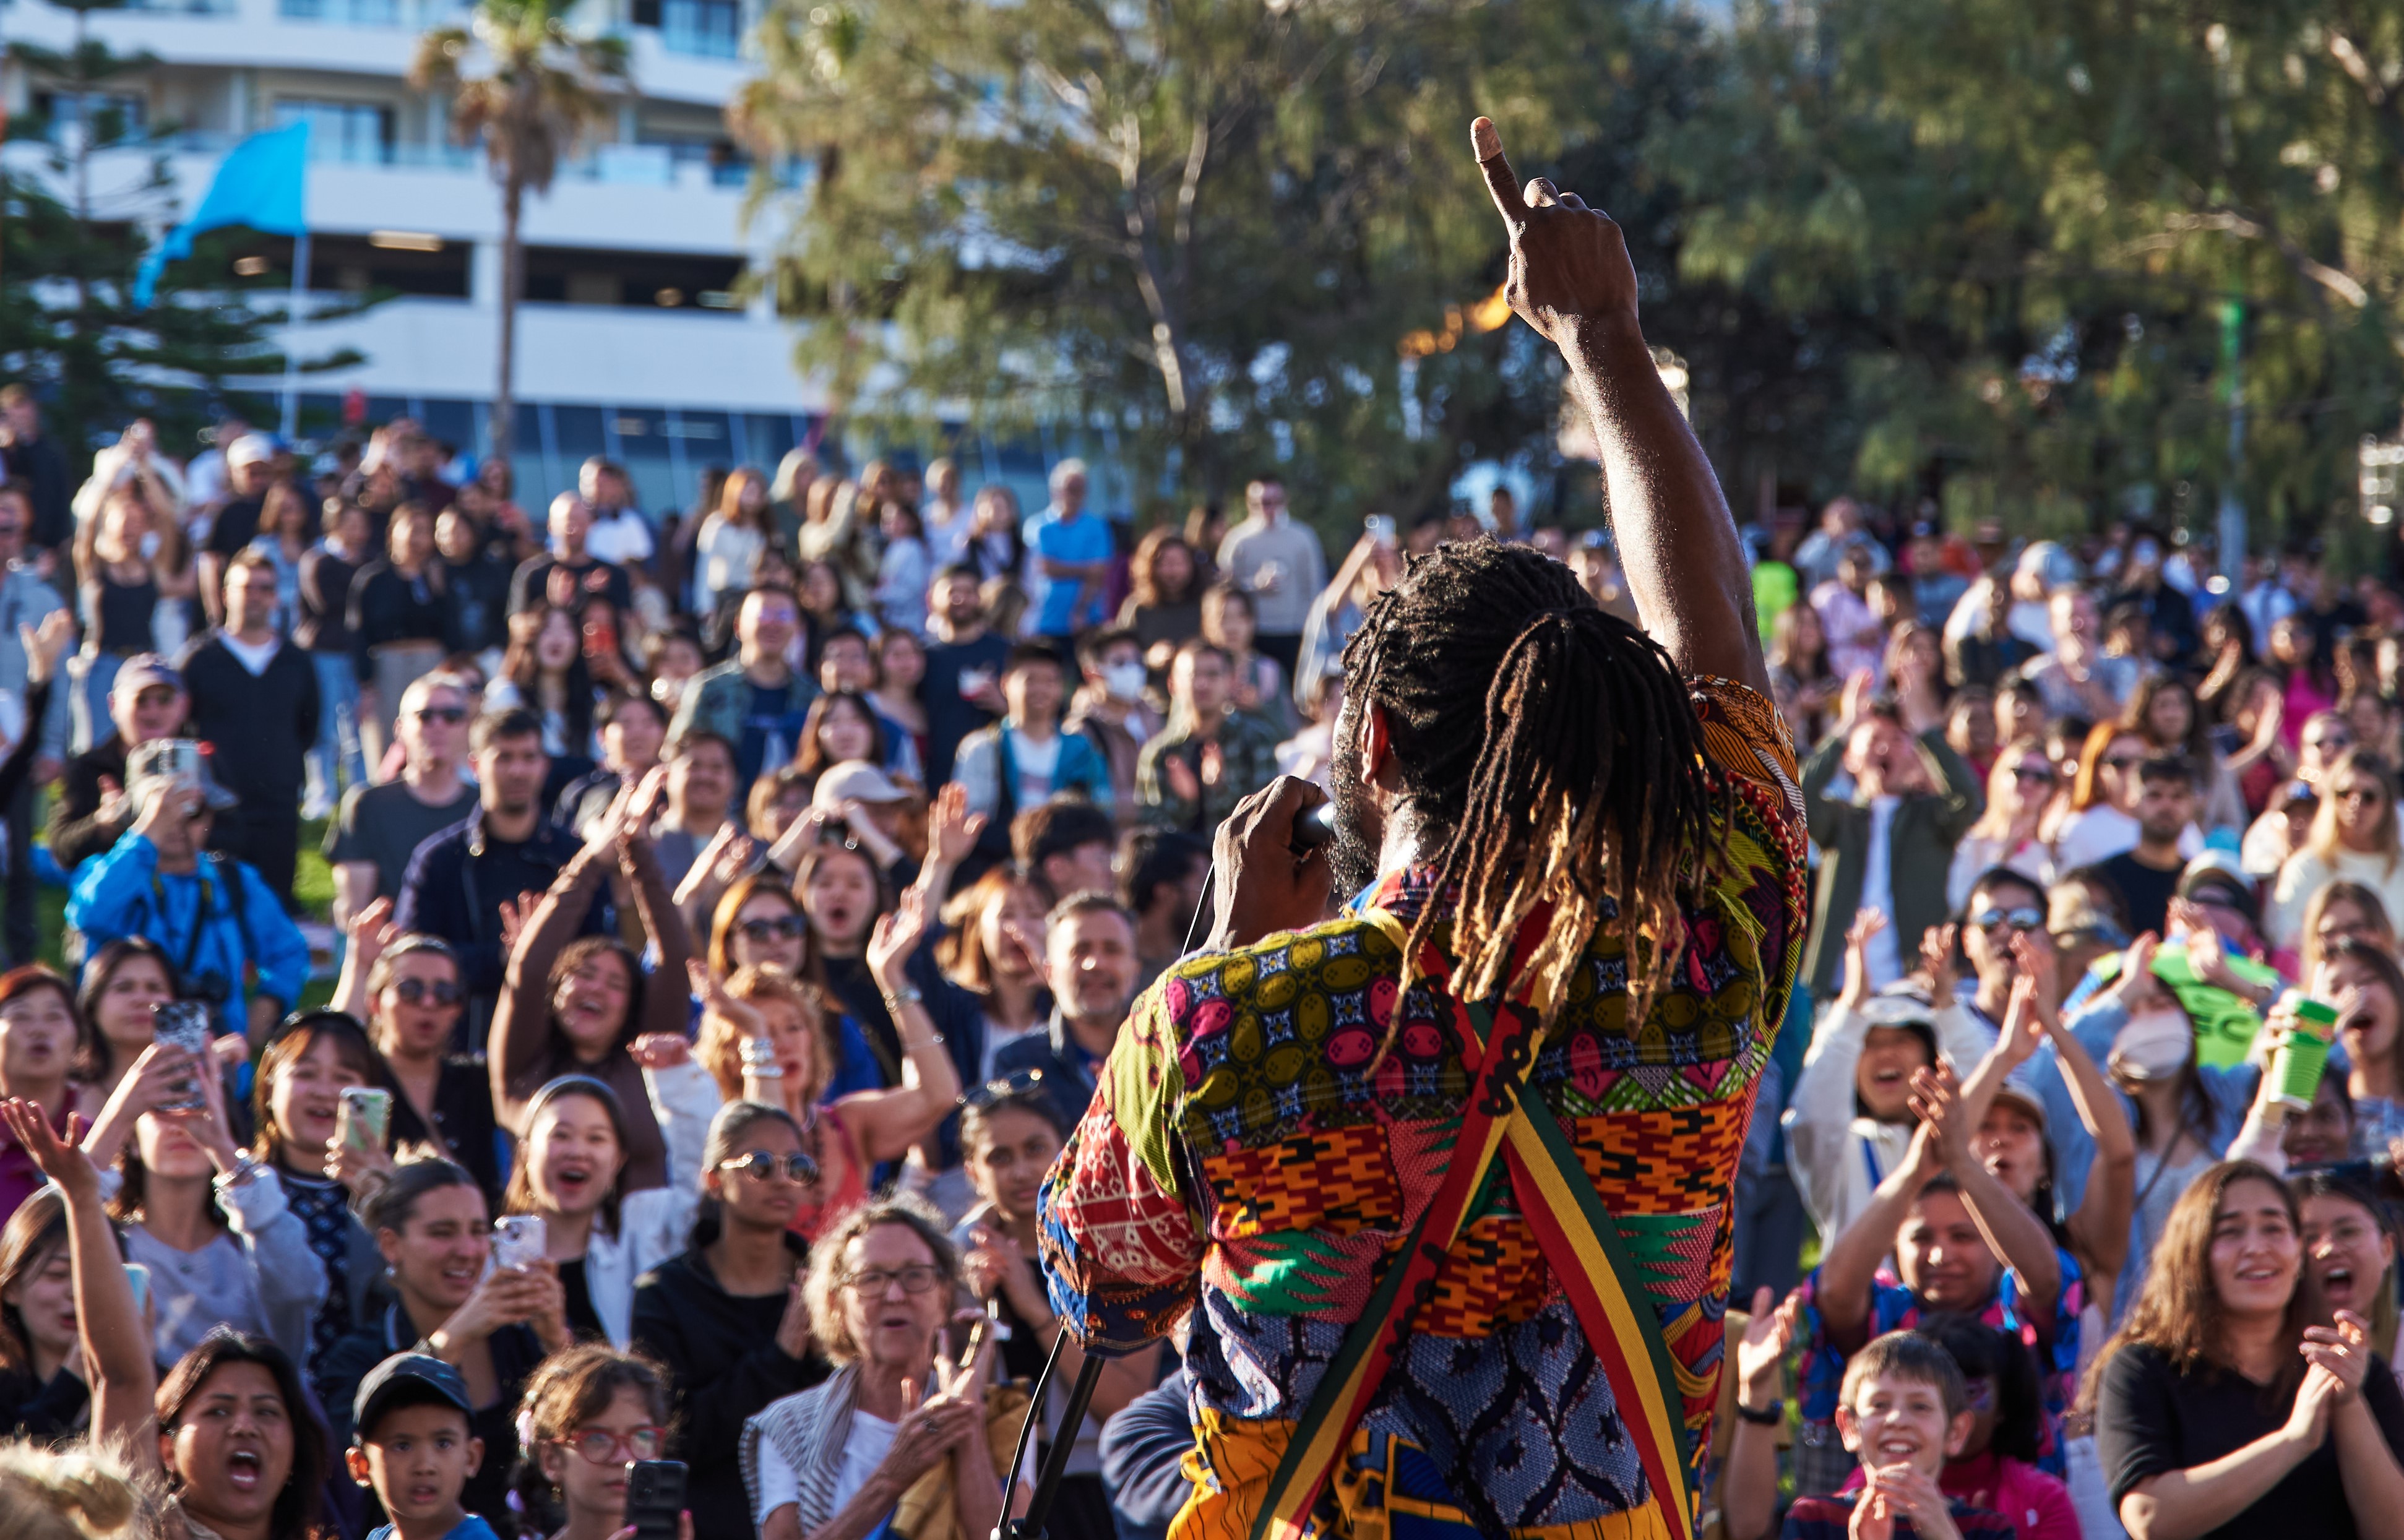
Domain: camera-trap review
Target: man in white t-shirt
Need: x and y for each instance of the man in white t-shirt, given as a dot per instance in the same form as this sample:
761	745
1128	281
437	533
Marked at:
620	534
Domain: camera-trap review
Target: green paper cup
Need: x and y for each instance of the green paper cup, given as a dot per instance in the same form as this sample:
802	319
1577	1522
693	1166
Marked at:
2297	1064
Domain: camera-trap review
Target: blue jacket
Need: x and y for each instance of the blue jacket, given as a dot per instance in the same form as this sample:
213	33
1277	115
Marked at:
246	940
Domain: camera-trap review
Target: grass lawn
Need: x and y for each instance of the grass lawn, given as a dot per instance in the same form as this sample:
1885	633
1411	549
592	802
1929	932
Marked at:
313	884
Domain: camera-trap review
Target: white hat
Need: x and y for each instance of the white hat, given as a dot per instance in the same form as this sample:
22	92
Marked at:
250	449
854	780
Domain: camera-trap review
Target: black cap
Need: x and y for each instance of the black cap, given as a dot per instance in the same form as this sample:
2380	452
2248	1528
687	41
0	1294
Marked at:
406	1379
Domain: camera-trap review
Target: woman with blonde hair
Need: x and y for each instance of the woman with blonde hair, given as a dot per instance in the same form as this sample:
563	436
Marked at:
764	1038
2353	839
65	1494
2019	789
728	547
2339	911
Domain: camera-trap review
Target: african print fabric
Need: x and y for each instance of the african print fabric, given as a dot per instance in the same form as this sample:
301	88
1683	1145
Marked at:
1239	1163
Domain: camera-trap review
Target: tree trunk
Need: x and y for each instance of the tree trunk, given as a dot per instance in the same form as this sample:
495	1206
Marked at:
512	261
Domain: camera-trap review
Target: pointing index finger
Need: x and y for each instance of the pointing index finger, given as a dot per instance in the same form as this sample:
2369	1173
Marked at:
1501	183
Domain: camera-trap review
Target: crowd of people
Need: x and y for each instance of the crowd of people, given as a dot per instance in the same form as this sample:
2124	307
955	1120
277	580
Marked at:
739	909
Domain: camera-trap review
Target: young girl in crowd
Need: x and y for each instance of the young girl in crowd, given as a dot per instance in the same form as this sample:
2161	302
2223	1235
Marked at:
1008	1141
406	986
581	1006
726	1317
124	981
544	671
572	1172
213	1228
2350	1254
993	948
492	1325
302	1071
2221	1408
586	1413
846	1139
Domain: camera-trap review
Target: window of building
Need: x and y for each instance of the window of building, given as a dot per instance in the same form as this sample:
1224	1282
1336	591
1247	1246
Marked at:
712	29
105	118
357	13
649	280
357	133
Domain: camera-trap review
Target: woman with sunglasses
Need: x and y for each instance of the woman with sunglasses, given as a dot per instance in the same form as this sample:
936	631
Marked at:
2340	911
2019	789
760	924
586	1414
846	1138
726	1317
2354	839
406	987
899	1426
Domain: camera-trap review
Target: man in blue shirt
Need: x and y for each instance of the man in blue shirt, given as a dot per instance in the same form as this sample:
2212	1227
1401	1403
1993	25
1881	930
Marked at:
1069	556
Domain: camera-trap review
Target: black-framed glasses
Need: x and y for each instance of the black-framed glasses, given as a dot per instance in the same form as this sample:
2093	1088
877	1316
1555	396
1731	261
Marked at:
450	716
876	1283
2043	773
759	1166
2019	919
1004	1089
600	1447
782	927
414	992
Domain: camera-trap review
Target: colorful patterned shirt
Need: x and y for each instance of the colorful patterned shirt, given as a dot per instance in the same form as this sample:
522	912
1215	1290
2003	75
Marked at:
1240	1163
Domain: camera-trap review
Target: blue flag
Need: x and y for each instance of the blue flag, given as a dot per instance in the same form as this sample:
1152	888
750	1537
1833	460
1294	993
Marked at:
262	183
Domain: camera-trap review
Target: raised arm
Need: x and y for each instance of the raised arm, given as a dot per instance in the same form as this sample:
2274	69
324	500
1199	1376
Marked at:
1570	279
2012	1232
521	1021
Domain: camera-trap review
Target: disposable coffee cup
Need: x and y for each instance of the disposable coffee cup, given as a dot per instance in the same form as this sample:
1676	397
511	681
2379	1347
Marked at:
2296	1063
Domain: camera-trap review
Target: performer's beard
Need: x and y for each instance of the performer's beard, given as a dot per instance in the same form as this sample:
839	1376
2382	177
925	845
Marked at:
1352	855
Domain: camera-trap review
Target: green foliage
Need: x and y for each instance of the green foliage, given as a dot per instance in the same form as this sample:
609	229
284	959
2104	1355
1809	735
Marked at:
1208	224
2012	229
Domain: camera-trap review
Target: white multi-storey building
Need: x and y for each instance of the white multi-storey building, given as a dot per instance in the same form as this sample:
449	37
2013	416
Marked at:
631	342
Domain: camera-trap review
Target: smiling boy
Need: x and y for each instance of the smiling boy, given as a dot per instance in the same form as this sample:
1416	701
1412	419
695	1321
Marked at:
413	1448
1903	1410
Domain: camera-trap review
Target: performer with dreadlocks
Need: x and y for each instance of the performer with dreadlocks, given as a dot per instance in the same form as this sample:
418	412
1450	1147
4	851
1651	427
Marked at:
1443	1181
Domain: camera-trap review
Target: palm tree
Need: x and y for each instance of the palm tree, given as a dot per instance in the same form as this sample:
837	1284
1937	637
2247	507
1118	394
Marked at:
545	87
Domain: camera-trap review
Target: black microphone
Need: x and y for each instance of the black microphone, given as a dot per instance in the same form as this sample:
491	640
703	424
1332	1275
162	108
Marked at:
1314	826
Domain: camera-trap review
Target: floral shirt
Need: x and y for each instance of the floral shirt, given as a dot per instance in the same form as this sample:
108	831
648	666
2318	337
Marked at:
1238	1165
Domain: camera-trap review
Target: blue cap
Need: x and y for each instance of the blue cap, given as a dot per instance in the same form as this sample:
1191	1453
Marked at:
407	1380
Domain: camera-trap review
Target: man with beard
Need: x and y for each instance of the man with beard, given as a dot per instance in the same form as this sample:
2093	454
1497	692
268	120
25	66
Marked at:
1441	1183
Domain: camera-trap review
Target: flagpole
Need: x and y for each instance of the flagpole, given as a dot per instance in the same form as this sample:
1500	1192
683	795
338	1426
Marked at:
292	336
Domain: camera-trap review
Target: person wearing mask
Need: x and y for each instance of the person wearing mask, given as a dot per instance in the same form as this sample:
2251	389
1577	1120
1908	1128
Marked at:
232	943
1109	708
1209	757
2354	839
1850	1121
379	828
1161	882
900	1422
756	700
323	631
1279	565
492	1325
399	621
570	573
1069	553
458	881
1090	963
145	704
26	601
1889	846
1026	758
406	989
633	728
2221	1406
963	688
620	536
728	1317
254	703
700	801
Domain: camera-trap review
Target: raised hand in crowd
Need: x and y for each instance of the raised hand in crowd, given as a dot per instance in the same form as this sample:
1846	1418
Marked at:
162	1074
110	1330
1937	961
1867	922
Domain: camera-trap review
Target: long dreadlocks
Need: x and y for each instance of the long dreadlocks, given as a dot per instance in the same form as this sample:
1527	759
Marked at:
1550	748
